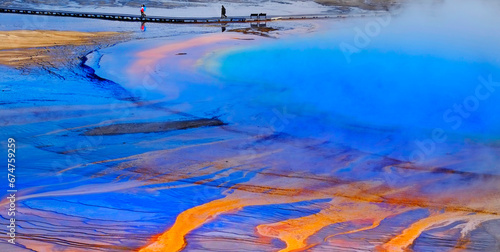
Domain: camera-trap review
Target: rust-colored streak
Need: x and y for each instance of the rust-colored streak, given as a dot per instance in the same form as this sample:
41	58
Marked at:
174	238
295	232
191	219
402	241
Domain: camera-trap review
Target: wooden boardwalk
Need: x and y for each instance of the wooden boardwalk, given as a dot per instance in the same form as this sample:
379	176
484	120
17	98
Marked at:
156	19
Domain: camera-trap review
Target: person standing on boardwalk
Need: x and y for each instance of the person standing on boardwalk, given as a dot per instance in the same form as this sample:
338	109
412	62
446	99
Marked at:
143	11
223	12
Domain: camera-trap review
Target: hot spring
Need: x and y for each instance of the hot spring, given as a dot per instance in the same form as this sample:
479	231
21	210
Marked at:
422	77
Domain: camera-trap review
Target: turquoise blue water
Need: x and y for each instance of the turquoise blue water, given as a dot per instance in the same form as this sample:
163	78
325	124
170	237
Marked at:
378	89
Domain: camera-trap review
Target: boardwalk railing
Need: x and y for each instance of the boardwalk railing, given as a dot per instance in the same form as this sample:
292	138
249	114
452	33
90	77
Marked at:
137	18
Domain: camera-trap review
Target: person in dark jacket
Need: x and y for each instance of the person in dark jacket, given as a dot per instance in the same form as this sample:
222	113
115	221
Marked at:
223	12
